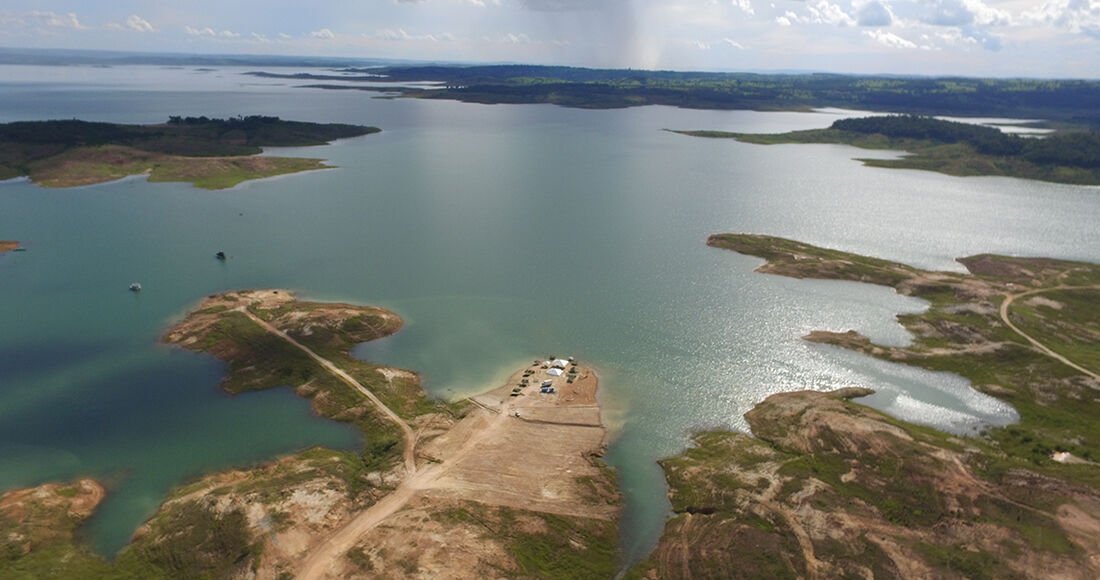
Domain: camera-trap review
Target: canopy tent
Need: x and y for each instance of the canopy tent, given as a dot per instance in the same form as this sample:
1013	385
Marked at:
556	372
559	363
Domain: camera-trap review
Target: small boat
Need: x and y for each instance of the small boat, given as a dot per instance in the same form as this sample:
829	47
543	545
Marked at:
220	256
135	287
19	249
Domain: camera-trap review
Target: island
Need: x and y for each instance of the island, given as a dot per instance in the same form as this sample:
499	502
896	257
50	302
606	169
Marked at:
825	487
207	152
953	148
8	245
507	483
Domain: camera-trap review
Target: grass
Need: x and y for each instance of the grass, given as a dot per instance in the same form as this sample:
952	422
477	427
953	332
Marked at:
901	477
570	548
1071	328
91	165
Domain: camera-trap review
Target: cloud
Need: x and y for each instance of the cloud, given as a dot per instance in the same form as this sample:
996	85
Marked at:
874	13
733	43
323	34
787	19
260	37
139	24
963	13
889	39
1077	16
744	5
207	31
56	20
825	12
399	34
512	38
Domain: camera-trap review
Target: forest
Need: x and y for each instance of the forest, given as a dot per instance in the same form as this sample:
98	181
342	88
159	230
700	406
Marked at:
1067	101
1074	149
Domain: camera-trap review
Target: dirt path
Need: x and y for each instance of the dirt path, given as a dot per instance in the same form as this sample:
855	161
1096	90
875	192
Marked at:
406	430
1004	316
329	552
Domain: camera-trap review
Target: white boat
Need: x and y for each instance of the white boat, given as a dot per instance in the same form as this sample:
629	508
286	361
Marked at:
135	287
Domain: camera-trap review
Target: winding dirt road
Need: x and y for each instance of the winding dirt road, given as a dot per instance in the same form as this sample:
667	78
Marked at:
322	558
406	430
1043	348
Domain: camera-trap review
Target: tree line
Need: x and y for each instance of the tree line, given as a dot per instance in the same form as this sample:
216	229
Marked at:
1075	149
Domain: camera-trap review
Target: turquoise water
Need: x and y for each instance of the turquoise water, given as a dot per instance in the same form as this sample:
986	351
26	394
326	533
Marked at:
499	233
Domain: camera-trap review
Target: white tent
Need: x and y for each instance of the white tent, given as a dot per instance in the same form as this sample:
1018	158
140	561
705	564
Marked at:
559	363
555	372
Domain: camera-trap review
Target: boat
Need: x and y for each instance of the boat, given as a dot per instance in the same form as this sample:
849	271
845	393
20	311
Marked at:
135	287
220	256
19	249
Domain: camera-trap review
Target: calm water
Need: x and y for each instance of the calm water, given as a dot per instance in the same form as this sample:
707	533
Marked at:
499	233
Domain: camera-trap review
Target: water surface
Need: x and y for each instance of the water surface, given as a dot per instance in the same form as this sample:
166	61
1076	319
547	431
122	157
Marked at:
499	233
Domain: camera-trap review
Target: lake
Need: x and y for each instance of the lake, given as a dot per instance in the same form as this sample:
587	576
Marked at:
500	234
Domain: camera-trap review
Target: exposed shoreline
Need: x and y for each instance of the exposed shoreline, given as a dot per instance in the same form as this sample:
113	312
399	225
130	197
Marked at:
508	457
826	487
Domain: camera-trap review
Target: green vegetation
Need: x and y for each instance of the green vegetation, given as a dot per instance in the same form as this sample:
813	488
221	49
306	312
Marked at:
1070	101
984	506
953	148
210	153
1044	317
189	540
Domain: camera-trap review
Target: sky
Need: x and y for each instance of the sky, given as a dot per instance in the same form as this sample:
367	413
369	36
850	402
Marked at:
1027	38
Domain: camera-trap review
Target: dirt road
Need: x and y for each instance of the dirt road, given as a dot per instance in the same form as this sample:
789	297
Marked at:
406	430
325	555
1043	348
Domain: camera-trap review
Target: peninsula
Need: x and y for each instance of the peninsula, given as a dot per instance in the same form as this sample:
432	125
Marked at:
507	483
208	153
829	488
953	148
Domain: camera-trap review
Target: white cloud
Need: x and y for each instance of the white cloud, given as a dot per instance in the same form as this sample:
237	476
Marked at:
987	15
139	24
744	5
733	43
55	20
787	19
963	13
825	12
401	34
889	39
260	37
324	34
1076	16
513	38
207	31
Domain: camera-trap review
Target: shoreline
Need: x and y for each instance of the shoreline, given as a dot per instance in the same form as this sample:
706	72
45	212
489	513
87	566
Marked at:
825	486
508	456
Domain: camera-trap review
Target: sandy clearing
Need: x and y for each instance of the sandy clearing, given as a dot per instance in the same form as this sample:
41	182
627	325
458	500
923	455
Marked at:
494	458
